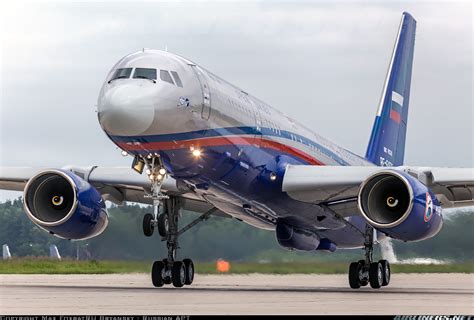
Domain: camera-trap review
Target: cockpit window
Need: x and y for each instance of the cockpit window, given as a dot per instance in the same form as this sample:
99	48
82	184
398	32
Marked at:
123	73
176	78
144	73
165	76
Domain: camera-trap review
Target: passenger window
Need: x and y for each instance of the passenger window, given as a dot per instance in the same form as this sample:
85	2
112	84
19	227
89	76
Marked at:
176	78
144	73
165	76
123	73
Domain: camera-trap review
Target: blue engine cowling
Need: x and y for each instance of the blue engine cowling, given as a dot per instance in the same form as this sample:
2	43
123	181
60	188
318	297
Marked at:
64	204
400	206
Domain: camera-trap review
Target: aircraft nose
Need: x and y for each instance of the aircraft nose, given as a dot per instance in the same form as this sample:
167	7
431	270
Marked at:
126	109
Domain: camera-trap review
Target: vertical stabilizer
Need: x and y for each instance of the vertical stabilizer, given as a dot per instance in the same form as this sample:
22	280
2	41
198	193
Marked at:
387	141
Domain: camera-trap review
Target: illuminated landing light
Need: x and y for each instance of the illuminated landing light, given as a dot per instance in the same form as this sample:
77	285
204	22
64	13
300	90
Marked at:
124	153
273	176
148	171
159	177
197	153
162	171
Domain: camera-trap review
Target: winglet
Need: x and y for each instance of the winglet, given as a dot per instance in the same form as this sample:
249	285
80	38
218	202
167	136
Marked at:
387	141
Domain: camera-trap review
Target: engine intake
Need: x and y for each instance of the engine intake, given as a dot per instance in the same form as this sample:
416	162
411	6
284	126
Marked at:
50	198
65	205
386	199
400	206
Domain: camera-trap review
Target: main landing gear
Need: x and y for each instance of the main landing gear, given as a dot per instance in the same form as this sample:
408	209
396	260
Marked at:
169	270
363	272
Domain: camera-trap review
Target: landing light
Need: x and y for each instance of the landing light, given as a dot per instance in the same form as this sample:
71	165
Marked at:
273	176
148	171
124	153
162	171
159	177
197	153
138	164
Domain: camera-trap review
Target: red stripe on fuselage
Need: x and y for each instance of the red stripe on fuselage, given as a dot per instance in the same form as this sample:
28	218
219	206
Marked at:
218	141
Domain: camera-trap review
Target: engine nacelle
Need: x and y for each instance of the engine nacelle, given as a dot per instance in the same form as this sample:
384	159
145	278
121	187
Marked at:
400	206
293	238
62	203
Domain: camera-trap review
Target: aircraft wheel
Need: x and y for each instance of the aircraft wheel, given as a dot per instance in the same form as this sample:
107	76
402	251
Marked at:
178	274
148	224
375	275
385	272
363	280
163	224
157	273
189	267
166	277
354	275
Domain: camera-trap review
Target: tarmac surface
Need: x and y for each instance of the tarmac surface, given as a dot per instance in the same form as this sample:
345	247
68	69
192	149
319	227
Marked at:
235	294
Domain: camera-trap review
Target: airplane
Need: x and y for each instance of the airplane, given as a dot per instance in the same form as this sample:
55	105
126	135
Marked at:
202	144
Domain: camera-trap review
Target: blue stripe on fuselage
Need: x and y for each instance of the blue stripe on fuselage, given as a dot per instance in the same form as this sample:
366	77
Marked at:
198	134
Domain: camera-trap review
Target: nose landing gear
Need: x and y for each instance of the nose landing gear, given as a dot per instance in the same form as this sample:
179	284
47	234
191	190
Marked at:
168	270
363	272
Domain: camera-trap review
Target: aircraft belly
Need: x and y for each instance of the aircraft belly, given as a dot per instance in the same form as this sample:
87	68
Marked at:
230	177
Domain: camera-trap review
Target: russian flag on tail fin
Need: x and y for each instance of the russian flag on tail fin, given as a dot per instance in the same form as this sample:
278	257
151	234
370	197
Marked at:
387	141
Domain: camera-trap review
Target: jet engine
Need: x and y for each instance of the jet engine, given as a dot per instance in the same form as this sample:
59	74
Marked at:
400	206
65	205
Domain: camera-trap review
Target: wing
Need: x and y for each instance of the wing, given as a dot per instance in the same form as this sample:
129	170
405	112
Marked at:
116	184
338	187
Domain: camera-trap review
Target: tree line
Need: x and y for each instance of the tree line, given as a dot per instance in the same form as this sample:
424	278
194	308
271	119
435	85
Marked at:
215	238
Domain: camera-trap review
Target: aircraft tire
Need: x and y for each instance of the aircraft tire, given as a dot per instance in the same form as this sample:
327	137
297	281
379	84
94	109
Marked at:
354	279
385	272
189	267
148	225
163	224
375	275
178	274
157	273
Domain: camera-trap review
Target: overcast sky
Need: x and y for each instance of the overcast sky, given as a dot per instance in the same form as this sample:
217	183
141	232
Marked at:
322	63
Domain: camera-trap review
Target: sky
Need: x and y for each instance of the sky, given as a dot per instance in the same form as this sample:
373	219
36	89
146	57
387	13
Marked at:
321	62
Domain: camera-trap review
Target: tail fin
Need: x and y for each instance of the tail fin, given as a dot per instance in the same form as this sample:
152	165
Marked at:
387	141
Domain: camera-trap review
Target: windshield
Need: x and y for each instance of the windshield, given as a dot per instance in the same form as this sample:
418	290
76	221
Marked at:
123	73
144	73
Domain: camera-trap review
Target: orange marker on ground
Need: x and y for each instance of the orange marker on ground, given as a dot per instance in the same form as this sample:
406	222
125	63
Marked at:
222	265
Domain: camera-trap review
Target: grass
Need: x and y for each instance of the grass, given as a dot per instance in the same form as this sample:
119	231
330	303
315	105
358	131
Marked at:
65	266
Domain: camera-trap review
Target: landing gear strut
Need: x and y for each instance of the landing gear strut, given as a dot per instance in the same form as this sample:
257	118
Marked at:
366	271
168	270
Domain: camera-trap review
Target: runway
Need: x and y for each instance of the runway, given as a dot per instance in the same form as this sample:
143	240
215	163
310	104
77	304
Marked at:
235	294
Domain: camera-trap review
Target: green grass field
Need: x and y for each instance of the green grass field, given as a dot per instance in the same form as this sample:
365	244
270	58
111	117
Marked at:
46	266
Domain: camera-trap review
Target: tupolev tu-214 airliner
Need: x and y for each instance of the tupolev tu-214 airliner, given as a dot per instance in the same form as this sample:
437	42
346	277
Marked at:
202	144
